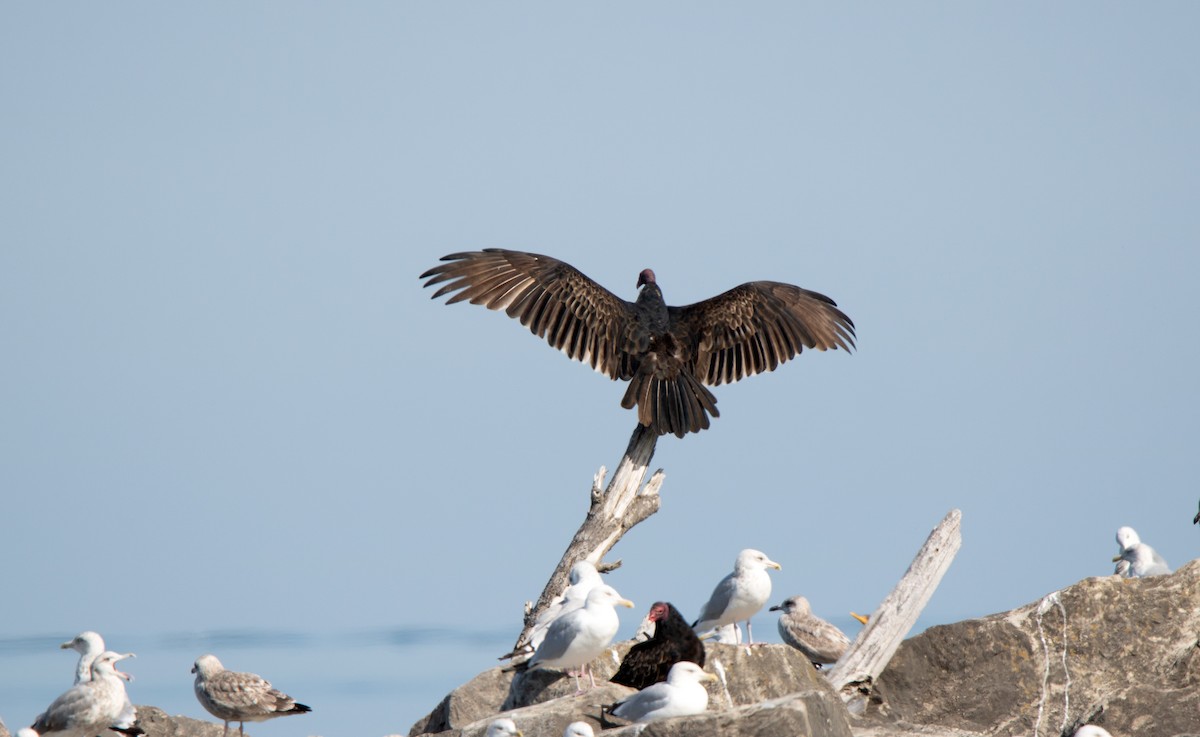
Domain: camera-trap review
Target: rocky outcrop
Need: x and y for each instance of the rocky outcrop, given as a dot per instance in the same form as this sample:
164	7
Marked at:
772	689
1121	653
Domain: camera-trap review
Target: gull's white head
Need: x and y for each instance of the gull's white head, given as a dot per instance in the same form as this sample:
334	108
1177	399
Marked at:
685	672
605	594
579	729
207	665
1091	730
750	559
84	643
105	665
503	727
1126	537
584	572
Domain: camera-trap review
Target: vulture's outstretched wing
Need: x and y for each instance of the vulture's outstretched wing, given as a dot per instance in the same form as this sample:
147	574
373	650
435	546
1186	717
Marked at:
755	327
553	299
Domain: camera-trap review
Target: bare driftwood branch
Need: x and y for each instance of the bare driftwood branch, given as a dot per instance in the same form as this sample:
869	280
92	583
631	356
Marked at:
869	655
612	513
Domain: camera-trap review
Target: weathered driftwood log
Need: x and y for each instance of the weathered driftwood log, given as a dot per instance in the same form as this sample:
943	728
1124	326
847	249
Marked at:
869	654
613	512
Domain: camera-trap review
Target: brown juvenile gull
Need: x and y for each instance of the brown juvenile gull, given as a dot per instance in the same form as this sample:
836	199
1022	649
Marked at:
820	641
89	708
669	355
89	645
682	694
239	697
740	595
576	638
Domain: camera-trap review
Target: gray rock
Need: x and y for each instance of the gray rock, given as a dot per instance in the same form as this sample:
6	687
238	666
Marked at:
4	729
768	689
1121	653
158	723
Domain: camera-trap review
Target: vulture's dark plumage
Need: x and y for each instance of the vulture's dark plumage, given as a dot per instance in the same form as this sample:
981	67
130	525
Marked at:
669	355
648	662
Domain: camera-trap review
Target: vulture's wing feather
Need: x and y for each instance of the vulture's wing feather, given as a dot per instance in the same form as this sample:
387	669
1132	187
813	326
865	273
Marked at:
755	327
553	299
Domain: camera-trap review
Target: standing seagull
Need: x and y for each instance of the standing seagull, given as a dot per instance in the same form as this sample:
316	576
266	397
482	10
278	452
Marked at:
667	354
89	708
578	637
89	645
239	697
820	641
583	578
649	662
740	595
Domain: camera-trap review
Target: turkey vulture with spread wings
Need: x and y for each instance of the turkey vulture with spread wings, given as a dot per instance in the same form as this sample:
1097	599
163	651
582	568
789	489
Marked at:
667	354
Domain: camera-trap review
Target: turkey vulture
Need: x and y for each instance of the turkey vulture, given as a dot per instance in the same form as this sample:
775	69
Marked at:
648	662
669	355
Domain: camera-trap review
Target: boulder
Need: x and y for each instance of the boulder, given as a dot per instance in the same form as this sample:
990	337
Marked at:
769	687
1120	653
4	729
157	723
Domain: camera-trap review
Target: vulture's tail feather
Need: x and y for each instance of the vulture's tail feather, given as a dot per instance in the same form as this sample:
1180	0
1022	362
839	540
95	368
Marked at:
676	405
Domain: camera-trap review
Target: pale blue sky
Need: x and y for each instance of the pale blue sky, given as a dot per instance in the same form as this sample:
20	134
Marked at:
226	395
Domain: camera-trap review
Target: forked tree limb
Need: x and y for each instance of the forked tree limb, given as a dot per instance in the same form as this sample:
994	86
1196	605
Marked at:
854	673
613	511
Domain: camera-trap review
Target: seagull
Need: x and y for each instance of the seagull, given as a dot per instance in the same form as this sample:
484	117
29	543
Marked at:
577	637
1137	559
89	708
583	578
740	595
579	729
503	727
820	641
239	697
1091	730
682	694
89	645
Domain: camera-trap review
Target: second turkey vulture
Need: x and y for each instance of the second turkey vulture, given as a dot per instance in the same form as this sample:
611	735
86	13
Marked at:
667	354
648	662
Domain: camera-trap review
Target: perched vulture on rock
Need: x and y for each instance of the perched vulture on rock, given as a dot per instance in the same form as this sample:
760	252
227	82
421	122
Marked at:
669	355
648	662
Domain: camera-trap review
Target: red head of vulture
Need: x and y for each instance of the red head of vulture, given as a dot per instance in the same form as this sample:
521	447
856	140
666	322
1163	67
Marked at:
669	355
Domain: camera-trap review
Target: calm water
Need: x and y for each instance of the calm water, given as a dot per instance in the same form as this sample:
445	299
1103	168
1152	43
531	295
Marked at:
359	684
